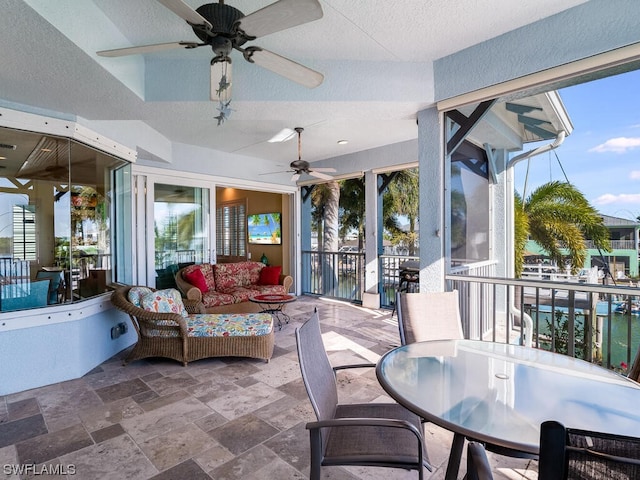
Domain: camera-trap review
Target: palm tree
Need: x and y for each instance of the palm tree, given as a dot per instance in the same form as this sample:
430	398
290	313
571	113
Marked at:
557	216
402	198
326	200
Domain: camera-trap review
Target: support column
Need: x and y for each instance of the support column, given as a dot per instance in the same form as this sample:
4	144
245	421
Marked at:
371	294
433	177
305	238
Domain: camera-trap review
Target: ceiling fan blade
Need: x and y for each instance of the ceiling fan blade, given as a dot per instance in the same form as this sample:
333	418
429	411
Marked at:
284	67
279	16
158	47
323	176
220	80
295	177
323	169
187	13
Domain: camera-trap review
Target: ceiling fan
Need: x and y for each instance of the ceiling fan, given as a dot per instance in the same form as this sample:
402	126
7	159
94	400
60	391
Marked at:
300	166
224	28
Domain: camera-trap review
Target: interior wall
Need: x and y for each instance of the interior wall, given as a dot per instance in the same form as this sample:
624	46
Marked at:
264	202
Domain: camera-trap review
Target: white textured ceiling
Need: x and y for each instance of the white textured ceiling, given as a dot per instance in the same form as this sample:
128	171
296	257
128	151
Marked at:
376	57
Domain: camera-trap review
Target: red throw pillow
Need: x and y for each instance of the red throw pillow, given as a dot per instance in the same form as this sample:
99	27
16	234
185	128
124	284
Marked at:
196	278
270	275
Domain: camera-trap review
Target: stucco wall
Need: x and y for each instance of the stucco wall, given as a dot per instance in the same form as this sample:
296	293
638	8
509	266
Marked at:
594	27
35	352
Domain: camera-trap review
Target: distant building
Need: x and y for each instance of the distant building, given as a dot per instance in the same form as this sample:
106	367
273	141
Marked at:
623	259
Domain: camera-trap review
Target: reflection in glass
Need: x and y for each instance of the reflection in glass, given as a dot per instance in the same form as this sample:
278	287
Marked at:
469	205
180	227
54	219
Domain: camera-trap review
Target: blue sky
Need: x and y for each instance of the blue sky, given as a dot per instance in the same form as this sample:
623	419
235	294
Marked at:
601	157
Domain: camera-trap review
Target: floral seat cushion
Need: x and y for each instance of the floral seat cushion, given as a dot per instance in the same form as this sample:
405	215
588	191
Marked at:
229	324
229	276
215	299
136	293
163	301
269	290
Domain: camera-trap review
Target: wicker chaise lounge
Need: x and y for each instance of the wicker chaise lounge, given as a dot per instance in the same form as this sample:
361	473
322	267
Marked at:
195	335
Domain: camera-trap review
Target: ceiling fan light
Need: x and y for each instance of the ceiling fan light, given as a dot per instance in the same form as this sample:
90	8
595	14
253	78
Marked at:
282	136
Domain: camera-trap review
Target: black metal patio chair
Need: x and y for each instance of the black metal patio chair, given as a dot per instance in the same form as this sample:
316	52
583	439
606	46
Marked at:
478	467
567	453
371	434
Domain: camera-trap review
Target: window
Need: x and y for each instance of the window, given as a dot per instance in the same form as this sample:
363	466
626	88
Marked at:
24	232
469	200
231	236
56	205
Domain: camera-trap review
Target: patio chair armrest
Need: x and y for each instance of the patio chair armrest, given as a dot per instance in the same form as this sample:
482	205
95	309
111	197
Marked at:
354	365
194	294
160	319
366	422
193	306
287	281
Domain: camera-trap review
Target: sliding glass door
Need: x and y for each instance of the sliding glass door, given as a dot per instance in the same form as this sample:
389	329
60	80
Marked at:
181	226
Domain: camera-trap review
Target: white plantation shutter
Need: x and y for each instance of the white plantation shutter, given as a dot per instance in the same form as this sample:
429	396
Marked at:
231	224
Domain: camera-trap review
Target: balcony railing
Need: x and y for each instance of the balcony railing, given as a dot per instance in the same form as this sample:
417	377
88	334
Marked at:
616	244
597	323
341	275
333	274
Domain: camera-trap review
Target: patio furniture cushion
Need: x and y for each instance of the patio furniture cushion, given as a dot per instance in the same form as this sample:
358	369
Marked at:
269	290
164	301
229	324
243	294
136	293
229	276
56	287
207	272
216	299
270	275
24	296
196	278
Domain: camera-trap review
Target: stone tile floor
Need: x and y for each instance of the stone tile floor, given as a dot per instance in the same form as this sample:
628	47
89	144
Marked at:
222	419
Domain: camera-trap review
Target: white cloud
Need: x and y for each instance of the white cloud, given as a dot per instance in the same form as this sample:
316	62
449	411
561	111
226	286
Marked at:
635	175
617	145
609	198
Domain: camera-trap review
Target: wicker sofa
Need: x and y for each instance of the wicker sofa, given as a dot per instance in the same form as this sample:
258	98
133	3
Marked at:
227	287
185	333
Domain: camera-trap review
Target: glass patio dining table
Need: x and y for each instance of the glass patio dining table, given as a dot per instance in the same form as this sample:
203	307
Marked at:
499	394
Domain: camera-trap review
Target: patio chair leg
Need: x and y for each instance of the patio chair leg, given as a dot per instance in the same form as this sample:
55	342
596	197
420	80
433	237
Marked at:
315	443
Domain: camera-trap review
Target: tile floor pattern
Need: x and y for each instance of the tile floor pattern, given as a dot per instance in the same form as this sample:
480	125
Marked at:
222	419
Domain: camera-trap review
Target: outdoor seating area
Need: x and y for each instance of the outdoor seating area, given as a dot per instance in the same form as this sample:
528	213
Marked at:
222	418
228	287
170	327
